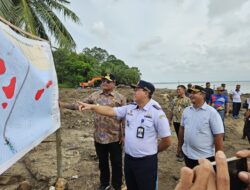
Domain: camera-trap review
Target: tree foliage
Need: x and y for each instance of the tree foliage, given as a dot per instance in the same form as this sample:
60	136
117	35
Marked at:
38	17
73	68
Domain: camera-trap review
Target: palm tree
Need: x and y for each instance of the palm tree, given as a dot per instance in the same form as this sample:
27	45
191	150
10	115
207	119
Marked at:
39	18
6	7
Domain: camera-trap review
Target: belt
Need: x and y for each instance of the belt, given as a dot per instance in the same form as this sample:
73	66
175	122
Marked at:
139	158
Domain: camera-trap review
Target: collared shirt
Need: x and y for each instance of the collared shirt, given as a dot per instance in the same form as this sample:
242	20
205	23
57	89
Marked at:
200	126
177	106
150	119
107	129
236	96
219	101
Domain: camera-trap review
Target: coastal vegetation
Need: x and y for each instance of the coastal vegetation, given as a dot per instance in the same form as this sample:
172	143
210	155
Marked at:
73	68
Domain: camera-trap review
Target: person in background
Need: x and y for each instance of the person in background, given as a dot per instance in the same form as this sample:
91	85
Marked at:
145	122
224	92
189	86
246	129
201	131
203	176
220	103
209	92
178	104
236	99
108	133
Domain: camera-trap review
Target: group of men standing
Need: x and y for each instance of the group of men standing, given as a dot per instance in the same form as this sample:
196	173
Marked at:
200	129
138	125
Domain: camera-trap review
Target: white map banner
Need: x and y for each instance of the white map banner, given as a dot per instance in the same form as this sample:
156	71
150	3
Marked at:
29	109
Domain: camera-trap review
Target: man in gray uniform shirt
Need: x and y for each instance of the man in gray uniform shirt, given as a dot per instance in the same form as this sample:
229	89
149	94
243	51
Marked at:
201	132
144	123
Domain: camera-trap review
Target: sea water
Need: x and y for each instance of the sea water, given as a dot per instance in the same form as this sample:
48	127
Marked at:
230	85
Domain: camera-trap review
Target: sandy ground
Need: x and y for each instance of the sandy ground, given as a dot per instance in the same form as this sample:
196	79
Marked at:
79	165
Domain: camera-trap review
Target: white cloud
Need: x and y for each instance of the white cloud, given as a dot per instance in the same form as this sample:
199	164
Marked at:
149	44
99	29
184	40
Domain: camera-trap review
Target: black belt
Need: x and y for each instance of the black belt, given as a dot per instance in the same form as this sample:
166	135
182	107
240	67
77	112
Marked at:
140	158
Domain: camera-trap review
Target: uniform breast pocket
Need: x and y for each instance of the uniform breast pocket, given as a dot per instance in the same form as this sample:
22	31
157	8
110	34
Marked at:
148	123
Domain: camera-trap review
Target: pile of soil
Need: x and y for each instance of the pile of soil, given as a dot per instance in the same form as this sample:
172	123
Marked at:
79	164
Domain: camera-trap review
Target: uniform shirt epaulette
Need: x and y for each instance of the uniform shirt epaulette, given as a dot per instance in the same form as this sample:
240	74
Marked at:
156	107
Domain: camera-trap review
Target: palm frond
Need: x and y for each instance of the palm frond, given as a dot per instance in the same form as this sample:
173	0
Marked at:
40	30
27	17
6	10
61	8
55	26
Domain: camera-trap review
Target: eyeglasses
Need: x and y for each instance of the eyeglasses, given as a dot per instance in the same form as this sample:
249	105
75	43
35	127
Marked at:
106	81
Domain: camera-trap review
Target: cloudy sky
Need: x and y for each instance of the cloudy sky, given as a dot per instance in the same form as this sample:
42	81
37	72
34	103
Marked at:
170	40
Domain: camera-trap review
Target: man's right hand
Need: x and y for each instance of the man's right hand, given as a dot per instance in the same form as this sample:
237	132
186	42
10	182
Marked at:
84	106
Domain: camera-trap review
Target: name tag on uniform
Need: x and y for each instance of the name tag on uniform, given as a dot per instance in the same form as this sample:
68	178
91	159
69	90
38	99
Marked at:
140	132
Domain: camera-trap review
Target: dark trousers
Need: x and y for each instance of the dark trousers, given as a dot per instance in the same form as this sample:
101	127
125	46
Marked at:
246	129
236	108
114	151
192	163
176	128
140	173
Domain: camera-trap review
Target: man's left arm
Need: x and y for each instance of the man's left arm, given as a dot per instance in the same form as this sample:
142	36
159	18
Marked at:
164	132
217	128
164	144
218	142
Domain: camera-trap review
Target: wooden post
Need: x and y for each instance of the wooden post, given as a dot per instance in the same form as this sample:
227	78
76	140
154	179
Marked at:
59	152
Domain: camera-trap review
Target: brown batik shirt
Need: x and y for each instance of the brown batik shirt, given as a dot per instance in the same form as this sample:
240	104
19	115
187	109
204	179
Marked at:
177	106
107	129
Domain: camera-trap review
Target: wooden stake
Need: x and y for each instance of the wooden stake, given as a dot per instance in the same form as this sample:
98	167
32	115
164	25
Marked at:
59	152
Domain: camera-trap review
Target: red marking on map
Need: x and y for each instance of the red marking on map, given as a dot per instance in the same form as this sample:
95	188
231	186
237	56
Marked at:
2	67
39	94
4	105
49	83
10	89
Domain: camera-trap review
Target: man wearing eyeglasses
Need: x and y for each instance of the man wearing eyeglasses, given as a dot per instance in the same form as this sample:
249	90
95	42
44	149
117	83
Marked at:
201	132
108	134
220	102
145	122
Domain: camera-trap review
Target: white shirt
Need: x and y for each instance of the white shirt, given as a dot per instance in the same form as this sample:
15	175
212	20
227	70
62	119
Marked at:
236	96
154	123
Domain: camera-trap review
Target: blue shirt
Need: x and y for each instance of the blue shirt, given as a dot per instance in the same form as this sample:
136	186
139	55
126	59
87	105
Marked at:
200	126
154	123
219	101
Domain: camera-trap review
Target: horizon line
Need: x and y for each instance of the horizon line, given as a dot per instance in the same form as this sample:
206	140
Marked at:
200	81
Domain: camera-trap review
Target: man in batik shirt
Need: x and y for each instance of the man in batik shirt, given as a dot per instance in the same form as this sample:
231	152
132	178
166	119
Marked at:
108	133
178	104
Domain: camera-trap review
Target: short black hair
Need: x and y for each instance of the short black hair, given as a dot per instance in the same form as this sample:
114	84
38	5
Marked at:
181	86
